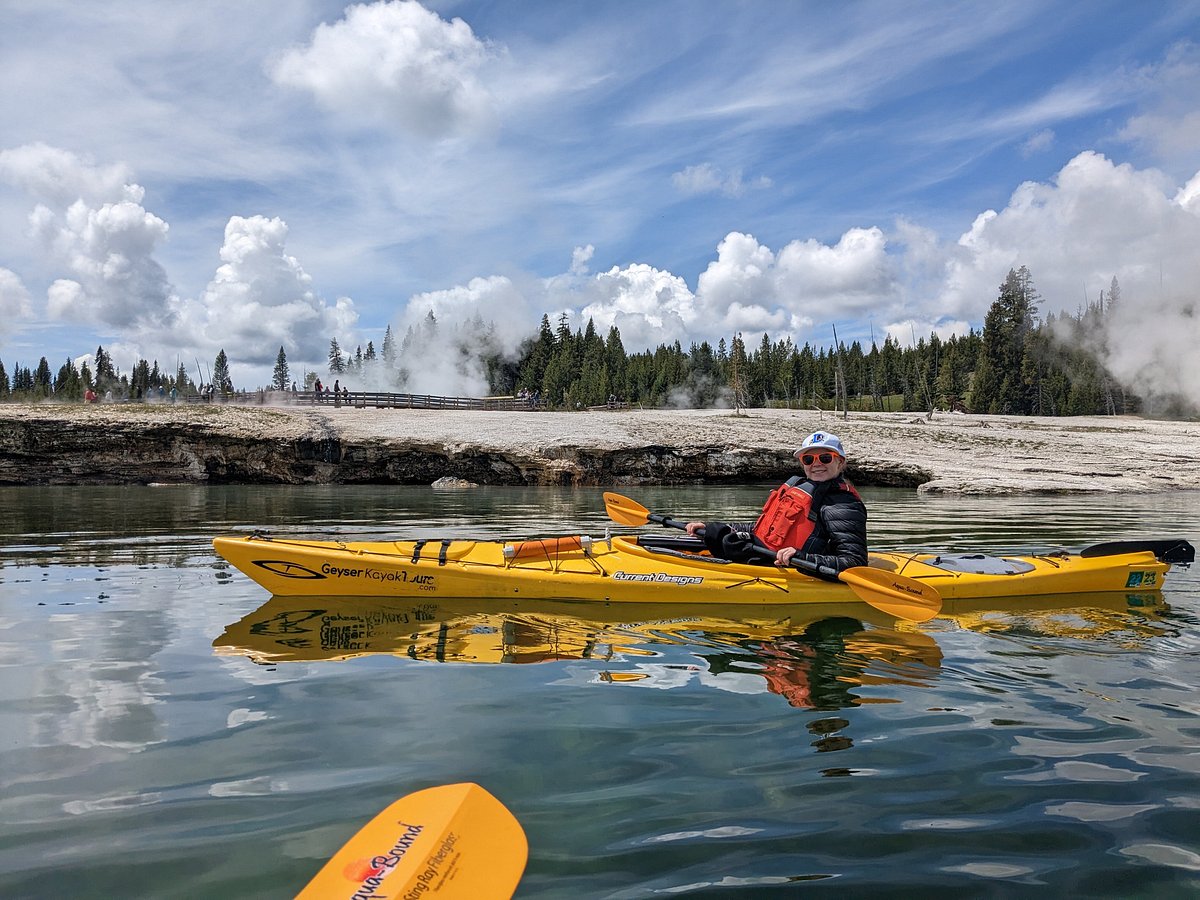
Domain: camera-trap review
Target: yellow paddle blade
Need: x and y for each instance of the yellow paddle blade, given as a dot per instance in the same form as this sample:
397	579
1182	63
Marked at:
896	595
624	511
453	841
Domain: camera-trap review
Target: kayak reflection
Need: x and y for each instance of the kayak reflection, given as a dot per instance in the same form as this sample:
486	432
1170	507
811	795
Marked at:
810	655
307	629
813	656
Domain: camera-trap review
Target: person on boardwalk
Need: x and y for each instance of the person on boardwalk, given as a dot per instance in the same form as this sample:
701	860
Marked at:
817	520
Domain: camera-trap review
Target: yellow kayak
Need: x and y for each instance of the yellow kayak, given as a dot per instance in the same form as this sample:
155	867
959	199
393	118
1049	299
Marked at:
667	570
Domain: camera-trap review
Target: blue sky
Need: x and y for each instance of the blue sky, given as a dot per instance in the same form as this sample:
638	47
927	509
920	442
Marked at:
180	178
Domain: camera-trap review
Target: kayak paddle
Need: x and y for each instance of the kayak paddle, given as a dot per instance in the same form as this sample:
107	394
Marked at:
451	841
896	595
1175	551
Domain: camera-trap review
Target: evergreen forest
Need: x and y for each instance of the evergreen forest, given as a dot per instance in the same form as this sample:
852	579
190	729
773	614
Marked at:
1018	364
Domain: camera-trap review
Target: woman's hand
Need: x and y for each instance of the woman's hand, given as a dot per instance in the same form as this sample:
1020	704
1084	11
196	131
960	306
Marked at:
693	527
784	556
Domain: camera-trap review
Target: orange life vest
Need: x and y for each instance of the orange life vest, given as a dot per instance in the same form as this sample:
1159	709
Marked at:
788	517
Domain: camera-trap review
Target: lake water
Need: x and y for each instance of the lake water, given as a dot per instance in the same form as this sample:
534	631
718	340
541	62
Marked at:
162	734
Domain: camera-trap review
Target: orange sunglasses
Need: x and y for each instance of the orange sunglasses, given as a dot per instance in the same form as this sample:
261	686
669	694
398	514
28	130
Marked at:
808	458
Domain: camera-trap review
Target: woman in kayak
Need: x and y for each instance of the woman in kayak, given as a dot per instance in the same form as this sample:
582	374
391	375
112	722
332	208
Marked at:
815	521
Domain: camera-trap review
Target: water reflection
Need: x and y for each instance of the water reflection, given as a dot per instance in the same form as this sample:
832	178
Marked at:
812	656
804	654
1124	618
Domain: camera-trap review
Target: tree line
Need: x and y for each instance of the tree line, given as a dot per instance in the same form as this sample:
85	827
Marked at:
1018	364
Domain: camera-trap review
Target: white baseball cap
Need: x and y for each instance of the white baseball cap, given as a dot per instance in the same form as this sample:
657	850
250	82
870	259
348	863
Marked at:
821	440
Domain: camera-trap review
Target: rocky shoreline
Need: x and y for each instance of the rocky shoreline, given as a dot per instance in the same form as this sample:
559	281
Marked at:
248	444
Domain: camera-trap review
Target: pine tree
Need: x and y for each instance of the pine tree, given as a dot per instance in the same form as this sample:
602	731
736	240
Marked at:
337	365
67	384
5	388
536	357
1007	328
1114	298
220	373
139	381
281	377
737	372
106	375
41	379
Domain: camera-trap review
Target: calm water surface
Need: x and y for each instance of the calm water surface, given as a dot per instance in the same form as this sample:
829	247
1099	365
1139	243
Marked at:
167	730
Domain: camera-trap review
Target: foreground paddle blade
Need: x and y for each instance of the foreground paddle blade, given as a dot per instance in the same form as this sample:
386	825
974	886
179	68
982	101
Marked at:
453	841
624	511
896	595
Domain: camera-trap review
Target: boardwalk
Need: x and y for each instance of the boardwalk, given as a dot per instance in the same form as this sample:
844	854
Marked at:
370	400
380	400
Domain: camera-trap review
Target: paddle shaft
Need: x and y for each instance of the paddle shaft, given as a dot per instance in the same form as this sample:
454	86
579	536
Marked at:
895	594
804	565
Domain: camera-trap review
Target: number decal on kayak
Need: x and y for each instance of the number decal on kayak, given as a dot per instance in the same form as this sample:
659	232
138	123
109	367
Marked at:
1141	579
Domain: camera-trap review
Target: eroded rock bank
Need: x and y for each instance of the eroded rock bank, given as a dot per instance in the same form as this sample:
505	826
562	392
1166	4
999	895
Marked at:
135	443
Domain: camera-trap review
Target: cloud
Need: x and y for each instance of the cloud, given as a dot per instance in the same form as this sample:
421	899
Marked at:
110	252
90	221
580	257
1169	124
1097	220
750	288
14	299
1093	221
59	177
903	333
394	64
708	179
1038	143
261	298
649	306
91	225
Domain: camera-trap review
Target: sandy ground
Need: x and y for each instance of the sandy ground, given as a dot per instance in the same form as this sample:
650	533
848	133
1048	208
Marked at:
949	452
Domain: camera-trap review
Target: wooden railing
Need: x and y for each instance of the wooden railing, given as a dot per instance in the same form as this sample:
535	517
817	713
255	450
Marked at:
369	399
381	400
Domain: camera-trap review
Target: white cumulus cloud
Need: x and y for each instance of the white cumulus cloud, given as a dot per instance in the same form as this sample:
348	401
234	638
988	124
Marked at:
1095	220
89	220
59	177
394	64
649	306
751	288
260	298
14	299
